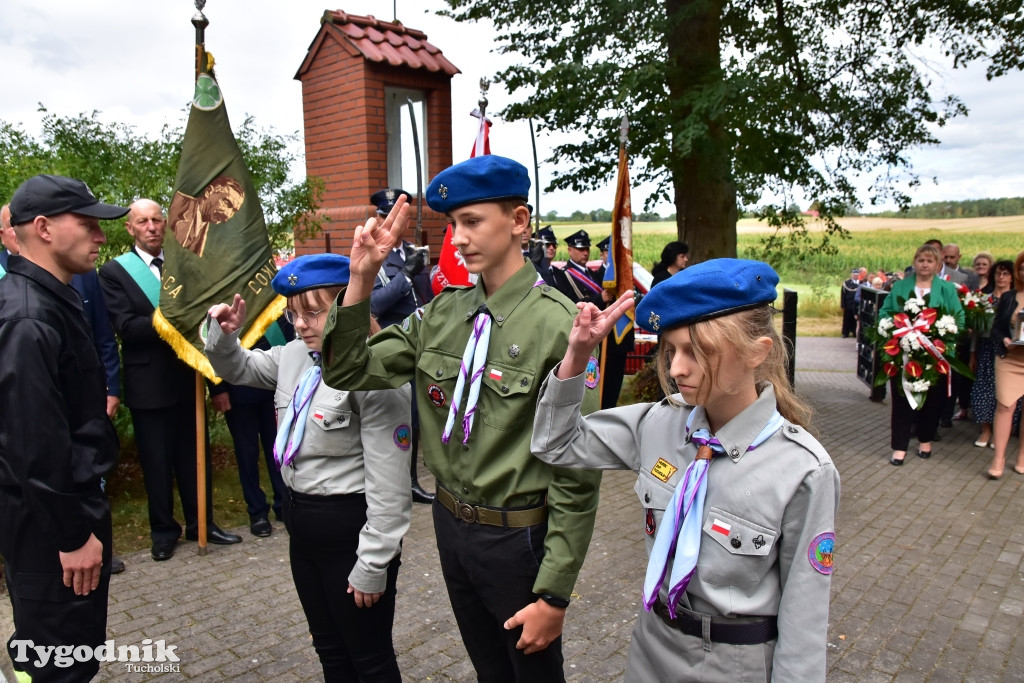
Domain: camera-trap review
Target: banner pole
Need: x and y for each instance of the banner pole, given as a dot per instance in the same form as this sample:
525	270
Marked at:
200	21
201	482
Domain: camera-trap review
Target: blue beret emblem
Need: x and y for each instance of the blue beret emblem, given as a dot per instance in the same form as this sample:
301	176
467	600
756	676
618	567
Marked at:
292	279
655	321
443	191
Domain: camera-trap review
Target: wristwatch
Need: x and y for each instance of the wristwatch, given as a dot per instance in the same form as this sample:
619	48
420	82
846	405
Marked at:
554	600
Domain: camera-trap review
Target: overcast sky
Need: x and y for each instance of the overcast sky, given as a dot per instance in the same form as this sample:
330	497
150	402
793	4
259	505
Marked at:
133	61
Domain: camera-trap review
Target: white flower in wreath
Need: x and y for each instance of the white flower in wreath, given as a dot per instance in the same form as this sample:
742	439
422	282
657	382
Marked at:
919	386
906	344
884	325
946	325
914	305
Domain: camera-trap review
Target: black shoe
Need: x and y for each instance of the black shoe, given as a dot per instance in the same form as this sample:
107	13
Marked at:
162	550
419	495
215	535
946	422
924	454
261	527
116	565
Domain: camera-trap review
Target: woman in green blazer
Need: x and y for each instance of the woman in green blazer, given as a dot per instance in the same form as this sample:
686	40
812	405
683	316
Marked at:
941	295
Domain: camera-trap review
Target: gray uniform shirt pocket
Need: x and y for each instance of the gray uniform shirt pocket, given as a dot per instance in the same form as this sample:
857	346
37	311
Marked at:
734	551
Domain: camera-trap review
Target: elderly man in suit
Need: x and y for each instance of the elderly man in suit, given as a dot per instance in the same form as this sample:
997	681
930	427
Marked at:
952	271
159	387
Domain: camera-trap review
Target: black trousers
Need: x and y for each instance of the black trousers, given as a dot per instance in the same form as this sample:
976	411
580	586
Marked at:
904	417
489	572
45	610
353	643
250	425
166	441
850	321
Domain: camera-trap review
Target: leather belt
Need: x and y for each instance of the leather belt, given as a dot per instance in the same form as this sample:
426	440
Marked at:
503	517
732	633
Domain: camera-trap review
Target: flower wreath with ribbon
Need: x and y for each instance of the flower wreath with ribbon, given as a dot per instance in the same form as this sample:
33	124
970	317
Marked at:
920	350
979	309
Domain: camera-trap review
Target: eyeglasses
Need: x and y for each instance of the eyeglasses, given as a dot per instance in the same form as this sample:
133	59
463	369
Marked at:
310	318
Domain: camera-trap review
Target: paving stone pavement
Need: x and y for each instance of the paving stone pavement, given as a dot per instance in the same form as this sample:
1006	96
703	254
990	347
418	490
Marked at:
928	585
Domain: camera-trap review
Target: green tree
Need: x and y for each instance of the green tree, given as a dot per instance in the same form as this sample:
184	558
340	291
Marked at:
744	103
120	165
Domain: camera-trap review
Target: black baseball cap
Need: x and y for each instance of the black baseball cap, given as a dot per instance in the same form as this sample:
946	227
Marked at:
51	195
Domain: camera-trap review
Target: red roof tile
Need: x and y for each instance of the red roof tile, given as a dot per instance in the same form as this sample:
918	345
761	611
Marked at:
390	42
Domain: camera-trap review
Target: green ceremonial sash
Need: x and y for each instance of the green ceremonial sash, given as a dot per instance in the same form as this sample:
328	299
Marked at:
143	276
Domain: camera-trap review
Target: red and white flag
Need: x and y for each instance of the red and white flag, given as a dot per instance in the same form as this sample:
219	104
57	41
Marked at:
451	269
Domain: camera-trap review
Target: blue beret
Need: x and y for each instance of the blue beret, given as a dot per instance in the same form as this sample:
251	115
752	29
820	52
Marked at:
487	178
579	239
310	272
707	290
385	199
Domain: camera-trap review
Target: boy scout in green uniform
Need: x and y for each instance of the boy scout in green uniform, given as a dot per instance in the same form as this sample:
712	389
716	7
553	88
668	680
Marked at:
512	532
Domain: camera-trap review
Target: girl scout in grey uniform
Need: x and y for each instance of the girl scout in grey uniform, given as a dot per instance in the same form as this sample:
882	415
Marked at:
739	499
344	456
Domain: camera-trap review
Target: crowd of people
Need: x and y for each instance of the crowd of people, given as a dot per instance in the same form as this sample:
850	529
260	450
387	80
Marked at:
991	392
510	427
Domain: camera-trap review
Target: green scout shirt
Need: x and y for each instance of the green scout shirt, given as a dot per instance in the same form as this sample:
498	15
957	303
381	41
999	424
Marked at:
529	335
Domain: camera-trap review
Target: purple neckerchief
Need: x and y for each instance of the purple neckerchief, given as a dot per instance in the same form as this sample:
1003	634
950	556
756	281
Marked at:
293	423
475	357
684	517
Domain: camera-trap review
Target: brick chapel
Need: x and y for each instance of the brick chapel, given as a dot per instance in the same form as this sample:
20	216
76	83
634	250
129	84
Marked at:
371	88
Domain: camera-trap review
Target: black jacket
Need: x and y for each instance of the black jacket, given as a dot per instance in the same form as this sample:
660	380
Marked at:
154	376
56	441
1005	309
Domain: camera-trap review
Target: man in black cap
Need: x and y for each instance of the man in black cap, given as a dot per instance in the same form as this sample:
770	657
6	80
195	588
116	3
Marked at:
401	287
56	441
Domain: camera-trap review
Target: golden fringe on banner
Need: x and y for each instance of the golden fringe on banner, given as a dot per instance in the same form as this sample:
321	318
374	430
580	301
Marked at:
196	359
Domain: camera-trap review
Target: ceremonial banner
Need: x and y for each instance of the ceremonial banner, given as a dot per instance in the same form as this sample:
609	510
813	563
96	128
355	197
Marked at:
220	244
618	271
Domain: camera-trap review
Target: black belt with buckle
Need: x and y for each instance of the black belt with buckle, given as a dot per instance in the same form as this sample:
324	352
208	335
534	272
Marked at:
737	633
503	517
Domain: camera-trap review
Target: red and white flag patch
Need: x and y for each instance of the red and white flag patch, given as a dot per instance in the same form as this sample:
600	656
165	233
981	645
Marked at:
721	527
495	375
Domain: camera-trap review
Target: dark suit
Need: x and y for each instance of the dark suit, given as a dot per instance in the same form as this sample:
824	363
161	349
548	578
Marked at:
393	297
159	390
615	355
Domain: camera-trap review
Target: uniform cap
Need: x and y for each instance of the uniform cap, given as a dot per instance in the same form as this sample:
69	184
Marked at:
579	239
385	199
603	244
311	272
487	178
52	195
546	235
707	290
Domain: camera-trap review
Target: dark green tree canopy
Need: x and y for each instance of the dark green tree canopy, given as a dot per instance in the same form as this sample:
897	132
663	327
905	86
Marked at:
733	102
121	165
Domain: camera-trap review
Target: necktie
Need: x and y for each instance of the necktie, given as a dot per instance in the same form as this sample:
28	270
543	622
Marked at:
474	356
159	263
293	423
679	533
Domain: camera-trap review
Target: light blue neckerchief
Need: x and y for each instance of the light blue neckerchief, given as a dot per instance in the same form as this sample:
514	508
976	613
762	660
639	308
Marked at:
682	541
293	423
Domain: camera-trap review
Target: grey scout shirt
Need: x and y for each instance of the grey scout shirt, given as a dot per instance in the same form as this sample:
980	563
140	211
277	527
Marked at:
777	501
354	442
